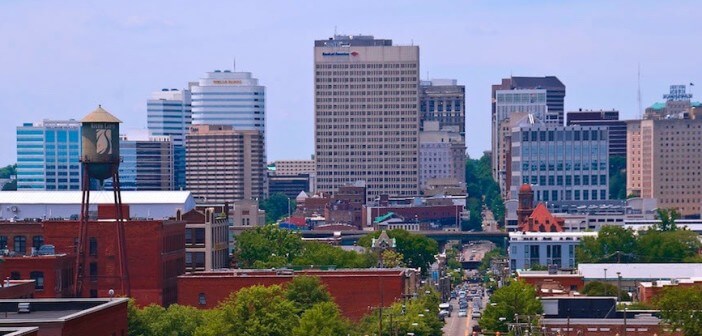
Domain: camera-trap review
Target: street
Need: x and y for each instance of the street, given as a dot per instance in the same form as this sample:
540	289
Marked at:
463	326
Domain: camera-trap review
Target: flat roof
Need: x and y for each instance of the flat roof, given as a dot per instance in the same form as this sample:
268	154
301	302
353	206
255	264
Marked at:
96	197
632	271
53	310
18	331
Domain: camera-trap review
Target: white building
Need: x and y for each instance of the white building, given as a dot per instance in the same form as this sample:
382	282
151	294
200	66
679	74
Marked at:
229	98
529	249
19	205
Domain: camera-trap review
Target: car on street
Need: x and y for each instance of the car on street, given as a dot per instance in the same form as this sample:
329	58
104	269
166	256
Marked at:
463	313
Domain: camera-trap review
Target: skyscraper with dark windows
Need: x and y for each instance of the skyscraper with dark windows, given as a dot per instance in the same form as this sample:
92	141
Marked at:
169	114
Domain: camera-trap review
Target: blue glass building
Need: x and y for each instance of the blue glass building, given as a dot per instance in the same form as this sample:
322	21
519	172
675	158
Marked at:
48	154
169	114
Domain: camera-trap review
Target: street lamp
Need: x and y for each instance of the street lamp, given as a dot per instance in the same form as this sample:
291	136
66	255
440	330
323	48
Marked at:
605	280
619	285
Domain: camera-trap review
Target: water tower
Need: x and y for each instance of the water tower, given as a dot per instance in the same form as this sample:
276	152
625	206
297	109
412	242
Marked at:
100	160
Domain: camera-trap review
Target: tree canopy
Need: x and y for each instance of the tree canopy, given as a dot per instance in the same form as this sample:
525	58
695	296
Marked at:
305	292
277	206
267	246
417	250
617	177
681	308
322	319
272	247
613	243
8	171
482	190
598	288
516	298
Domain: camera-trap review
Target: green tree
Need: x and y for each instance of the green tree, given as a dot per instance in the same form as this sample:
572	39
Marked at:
667	218
276	207
306	291
617	177
417	250
322	319
267	246
418	316
8	171
392	259
10	186
253	311
321	254
668	246
155	320
613	244
598	288
681	308
496	253
516	298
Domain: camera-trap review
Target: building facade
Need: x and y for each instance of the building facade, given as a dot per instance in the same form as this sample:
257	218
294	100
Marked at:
615	127
289	185
294	167
229	98
542	97
366	115
561	162
442	154
48	155
147	162
531	249
206	240
443	100
224	164
664	161
169	113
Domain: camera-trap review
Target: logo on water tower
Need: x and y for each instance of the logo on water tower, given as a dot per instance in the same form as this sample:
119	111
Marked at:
104	141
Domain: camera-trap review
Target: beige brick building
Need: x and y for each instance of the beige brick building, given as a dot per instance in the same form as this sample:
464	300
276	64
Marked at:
294	167
665	162
223	164
367	115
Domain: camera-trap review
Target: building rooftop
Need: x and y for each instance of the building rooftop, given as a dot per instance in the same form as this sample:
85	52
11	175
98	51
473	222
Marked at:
548	82
657	271
96	197
100	115
53	310
18	331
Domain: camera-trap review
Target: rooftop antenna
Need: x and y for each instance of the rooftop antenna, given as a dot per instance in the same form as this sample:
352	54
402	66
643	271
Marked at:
334	31
234	64
638	80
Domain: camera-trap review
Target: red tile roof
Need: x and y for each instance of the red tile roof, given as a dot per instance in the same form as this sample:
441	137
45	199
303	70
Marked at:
541	220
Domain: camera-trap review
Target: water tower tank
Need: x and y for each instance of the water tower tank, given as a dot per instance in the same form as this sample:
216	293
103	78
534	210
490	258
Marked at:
100	138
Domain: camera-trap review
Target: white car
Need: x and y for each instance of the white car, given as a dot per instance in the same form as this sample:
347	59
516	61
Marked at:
462	313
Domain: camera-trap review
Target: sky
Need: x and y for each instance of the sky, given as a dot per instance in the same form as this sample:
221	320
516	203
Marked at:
60	59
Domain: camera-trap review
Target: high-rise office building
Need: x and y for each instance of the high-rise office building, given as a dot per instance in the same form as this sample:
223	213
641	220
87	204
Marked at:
443	100
169	114
442	154
664	161
542	97
147	162
367	115
48	155
562	163
615	127
224	164
229	98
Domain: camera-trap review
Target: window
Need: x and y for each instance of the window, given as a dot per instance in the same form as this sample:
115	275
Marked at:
15	276
20	244
3	242
93	271
93	246
93	293
37	241
38	277
201	299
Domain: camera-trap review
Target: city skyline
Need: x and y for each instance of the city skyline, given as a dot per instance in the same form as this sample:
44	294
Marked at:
118	56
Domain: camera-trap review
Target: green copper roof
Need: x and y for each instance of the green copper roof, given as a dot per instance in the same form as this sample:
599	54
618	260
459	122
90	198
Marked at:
658	106
383	217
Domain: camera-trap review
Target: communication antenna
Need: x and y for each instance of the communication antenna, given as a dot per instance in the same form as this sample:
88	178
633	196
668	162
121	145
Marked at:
638	80
234	64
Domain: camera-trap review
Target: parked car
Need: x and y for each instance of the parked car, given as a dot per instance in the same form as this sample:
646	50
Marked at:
462	313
